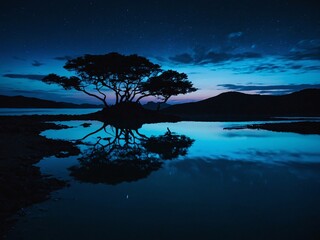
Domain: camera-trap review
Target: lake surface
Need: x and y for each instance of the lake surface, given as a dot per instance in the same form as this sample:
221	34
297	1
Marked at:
45	111
186	180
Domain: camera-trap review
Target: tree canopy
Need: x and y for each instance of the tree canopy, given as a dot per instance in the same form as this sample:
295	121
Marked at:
129	77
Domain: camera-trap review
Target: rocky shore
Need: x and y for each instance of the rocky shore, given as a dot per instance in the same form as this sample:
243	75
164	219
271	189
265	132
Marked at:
304	127
294	127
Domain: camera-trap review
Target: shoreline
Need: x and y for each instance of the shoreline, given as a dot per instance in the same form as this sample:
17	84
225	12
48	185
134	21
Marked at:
304	127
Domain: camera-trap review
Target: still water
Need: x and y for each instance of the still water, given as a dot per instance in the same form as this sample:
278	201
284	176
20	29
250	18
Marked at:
186	180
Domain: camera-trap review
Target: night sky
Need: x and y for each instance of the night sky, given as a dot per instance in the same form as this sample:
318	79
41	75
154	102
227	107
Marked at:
267	46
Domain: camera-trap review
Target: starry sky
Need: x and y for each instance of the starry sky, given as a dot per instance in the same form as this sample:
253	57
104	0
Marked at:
265	47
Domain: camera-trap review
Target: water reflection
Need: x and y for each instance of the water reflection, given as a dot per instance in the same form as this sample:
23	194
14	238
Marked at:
215	143
266	187
124	154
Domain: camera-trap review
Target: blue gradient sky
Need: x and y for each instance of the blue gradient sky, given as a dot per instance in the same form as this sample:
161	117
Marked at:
267	47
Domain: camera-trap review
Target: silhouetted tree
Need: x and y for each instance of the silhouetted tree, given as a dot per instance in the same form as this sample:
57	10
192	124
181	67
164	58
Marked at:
169	83
130	77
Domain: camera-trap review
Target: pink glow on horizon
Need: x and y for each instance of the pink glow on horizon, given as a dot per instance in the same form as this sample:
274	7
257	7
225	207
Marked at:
191	97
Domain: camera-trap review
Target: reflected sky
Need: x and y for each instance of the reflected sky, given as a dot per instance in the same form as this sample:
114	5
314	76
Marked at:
213	142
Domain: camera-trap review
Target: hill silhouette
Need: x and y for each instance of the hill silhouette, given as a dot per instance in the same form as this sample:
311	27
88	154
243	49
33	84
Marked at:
28	102
249	106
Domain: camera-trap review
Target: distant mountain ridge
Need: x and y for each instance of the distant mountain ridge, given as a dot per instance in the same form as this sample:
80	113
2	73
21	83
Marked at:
29	102
226	105
236	104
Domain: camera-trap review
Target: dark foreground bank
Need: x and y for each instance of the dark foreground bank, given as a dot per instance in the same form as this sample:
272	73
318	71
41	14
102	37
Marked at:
21	183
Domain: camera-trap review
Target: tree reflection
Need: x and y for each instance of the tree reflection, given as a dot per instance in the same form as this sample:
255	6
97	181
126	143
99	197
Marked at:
125	155
169	145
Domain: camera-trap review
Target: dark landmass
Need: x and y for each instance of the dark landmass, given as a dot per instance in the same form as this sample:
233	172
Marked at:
28	102
127	115
235	106
294	127
21	183
154	106
308	127
132	115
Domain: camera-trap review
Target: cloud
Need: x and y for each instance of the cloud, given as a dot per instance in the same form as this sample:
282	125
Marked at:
247	55
267	67
63	58
270	89
37	77
37	63
159	58
305	50
279	67
229	53
19	58
310	54
200	57
182	58
234	35
312	68
215	57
